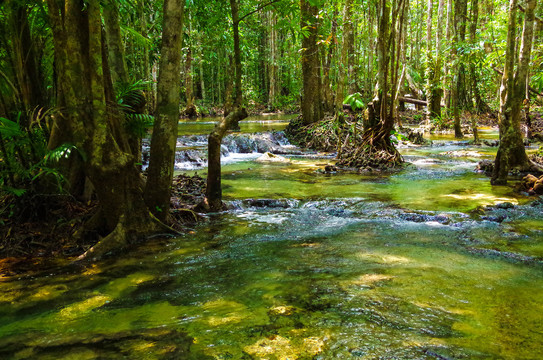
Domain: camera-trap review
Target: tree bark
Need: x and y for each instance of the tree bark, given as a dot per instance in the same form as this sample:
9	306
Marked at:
460	19
164	138
119	72
85	82
328	96
434	90
273	67
190	109
344	61
447	85
213	201
511	152
312	110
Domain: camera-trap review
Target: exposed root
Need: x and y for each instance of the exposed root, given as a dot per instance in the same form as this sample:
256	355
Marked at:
373	151
125	234
326	135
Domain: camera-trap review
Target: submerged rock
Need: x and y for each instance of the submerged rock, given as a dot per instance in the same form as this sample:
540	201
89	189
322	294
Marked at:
269	157
462	153
486	167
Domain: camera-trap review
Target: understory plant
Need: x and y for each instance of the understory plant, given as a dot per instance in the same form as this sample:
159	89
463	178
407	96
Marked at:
27	167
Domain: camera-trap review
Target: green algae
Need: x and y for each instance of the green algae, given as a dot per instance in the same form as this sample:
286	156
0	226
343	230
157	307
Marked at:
325	278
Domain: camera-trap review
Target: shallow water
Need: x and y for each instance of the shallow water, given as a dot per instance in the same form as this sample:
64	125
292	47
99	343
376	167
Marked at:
255	123
338	266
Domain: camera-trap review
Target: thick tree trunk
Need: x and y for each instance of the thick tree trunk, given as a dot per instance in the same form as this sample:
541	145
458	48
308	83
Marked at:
85	83
312	110
511	152
164	138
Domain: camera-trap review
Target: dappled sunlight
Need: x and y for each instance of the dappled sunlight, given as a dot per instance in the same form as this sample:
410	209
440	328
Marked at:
114	289
83	308
48	292
281	348
366	280
483	199
384	258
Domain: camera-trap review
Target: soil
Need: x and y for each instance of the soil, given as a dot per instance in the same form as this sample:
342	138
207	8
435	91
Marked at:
42	226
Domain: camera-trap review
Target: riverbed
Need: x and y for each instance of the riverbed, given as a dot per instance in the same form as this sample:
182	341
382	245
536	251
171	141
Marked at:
428	263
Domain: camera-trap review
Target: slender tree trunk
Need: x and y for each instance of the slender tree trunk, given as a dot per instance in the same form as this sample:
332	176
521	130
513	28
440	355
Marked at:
402	50
213	201
460	18
328	96
511	152
190	109
164	138
273	68
312	110
344	61
24	59
237	54
448	36
429	15
433	88
119	72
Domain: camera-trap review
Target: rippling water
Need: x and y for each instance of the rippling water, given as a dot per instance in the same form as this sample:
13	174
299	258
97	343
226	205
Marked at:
327	266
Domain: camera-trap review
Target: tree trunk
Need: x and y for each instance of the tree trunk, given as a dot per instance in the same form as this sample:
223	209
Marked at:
344	61
479	104
312	110
434	90
164	138
328	97
85	82
460	18
237	54
375	149
447	85
238	95
402	50
119	72
24	59
190	109
201	70
213	201
273	67
511	152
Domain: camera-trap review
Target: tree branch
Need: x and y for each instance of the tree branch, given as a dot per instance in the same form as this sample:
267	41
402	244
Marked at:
533	90
257	9
537	19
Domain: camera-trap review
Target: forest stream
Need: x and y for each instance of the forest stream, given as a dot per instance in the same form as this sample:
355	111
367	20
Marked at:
428	263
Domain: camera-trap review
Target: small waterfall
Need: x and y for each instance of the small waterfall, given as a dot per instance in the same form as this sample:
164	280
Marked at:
192	150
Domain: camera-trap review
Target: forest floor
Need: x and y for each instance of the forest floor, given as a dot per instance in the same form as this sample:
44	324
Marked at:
43	226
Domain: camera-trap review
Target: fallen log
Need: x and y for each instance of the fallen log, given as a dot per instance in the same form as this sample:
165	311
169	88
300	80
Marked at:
413	101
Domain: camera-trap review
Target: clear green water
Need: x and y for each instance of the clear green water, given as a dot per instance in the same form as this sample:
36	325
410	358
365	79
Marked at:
350	267
252	124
